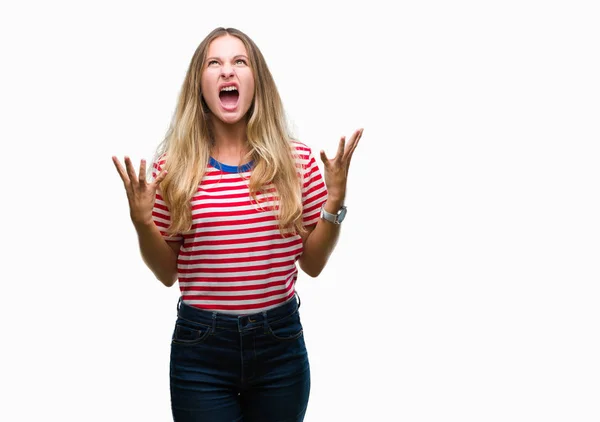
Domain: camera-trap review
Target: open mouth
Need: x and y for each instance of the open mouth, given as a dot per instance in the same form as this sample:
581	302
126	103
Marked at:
229	96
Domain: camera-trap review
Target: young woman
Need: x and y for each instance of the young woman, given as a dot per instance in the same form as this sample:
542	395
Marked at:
234	203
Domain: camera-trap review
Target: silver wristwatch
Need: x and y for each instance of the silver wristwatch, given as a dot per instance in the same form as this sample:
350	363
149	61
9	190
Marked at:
333	218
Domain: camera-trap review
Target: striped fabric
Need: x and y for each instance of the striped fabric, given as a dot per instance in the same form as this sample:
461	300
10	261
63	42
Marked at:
234	259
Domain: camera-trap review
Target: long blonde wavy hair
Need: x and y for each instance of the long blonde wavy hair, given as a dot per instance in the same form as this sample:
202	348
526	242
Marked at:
187	143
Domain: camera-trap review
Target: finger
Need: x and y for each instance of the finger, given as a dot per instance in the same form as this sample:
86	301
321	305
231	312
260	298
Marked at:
142	176
355	137
324	158
120	169
340	151
351	148
354	143
160	177
130	171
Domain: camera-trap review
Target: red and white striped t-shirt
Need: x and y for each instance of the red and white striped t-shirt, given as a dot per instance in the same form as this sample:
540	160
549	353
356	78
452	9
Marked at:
234	259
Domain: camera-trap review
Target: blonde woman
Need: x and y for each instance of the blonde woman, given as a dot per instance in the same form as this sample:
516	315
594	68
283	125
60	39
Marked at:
233	205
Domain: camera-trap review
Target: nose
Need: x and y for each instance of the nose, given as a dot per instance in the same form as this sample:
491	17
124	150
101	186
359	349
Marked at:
227	71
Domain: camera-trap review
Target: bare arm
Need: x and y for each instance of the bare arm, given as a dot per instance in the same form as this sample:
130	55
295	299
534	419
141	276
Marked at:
159	255
320	241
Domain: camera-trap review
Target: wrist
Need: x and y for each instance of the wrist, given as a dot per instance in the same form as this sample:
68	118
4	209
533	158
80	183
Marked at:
337	213
333	205
143	225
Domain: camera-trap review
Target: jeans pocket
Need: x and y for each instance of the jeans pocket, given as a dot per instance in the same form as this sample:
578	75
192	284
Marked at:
287	328
187	332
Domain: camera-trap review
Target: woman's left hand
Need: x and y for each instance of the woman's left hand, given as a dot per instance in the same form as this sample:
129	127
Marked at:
336	169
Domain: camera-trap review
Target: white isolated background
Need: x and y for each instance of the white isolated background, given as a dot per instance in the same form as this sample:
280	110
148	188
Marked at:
465	286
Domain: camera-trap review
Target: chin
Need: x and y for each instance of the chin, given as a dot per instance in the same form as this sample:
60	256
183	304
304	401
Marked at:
230	120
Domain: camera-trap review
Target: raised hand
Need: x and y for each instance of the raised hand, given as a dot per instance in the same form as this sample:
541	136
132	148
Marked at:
336	169
140	193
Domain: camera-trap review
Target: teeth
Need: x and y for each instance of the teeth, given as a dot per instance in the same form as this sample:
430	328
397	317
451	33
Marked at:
229	88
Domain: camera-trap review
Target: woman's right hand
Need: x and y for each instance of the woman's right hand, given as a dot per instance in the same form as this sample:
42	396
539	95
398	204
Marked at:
140	193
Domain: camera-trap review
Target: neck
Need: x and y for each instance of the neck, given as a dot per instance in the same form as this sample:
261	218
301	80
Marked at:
230	142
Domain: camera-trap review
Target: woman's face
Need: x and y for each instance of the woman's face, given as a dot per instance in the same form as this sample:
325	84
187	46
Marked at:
227	80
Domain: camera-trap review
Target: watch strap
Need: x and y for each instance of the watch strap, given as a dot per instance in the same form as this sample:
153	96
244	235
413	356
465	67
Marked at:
332	218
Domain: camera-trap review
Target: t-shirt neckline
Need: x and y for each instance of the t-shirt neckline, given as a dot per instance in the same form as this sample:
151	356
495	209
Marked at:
230	169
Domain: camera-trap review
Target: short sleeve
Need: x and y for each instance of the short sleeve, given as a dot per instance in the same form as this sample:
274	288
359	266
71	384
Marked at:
314	191
160	213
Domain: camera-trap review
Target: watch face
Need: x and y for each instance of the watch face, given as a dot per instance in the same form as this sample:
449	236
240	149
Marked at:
341	215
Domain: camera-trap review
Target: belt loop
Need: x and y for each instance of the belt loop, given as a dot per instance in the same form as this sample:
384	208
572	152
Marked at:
178	304
299	301
214	321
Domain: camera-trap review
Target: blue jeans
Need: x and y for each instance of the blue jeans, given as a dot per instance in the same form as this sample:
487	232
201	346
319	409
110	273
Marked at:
227	368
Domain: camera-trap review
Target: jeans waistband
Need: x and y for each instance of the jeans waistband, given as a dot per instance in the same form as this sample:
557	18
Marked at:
237	322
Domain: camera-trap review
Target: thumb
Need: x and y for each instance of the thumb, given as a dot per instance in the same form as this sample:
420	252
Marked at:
324	157
160	177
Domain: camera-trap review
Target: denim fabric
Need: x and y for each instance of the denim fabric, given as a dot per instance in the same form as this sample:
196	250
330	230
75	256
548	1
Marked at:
249	368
